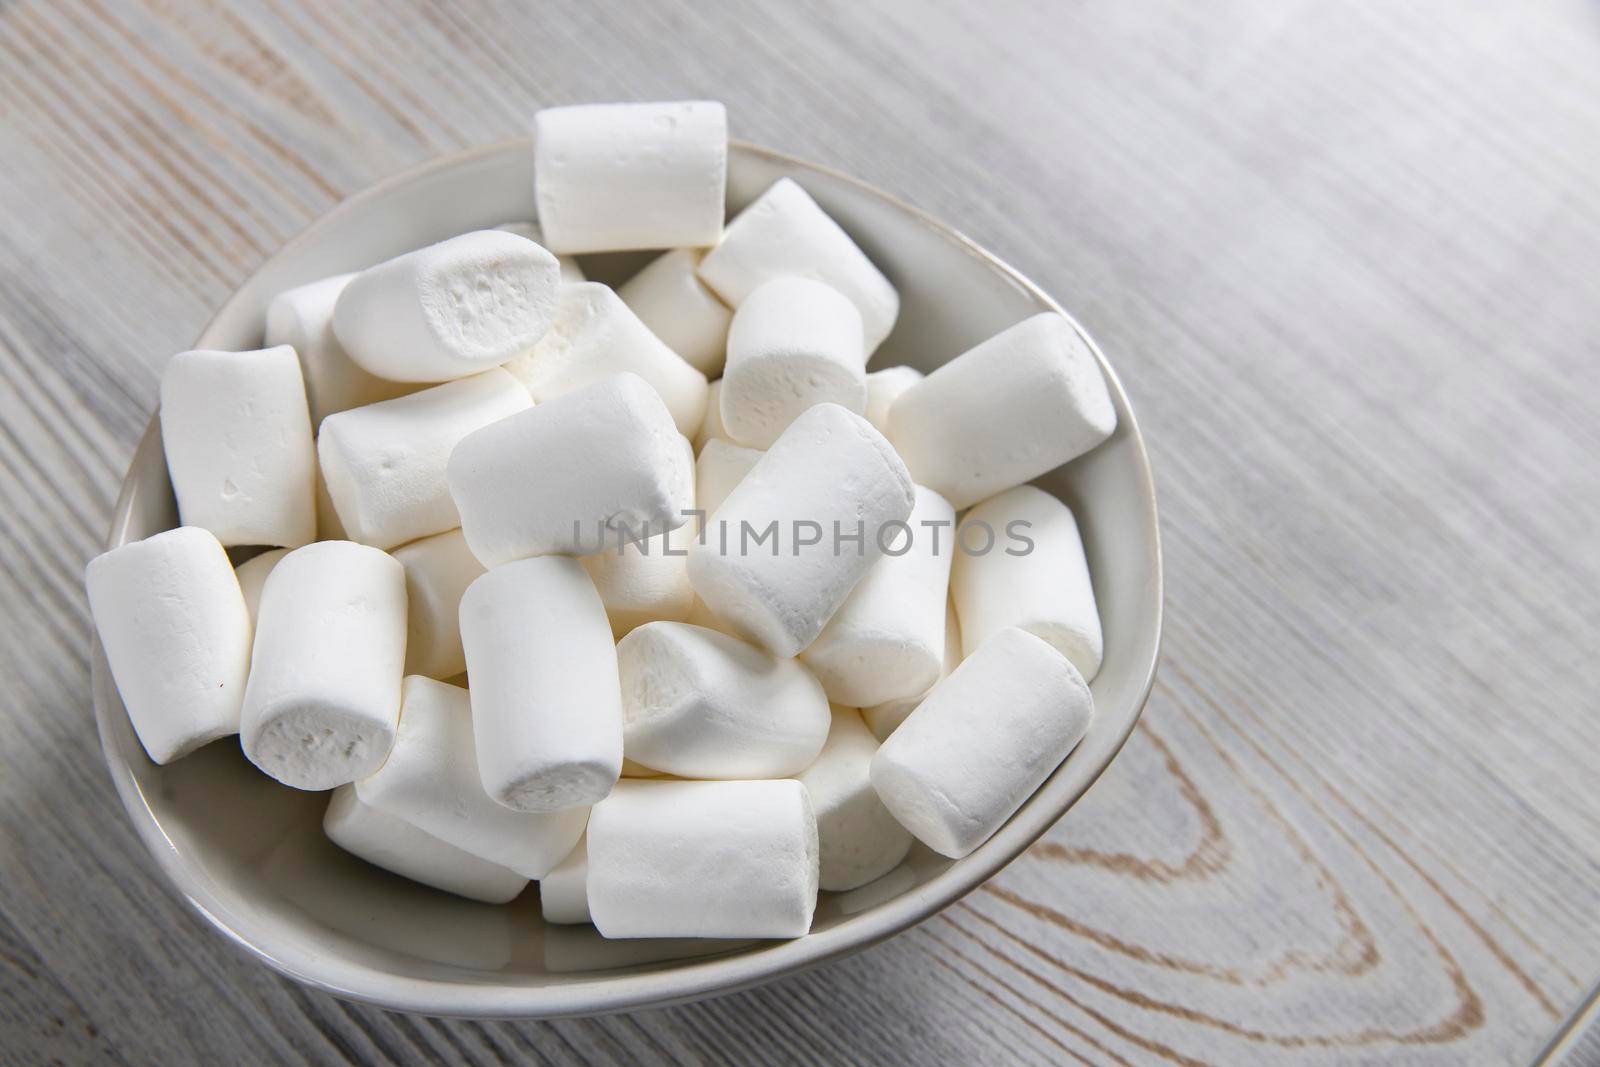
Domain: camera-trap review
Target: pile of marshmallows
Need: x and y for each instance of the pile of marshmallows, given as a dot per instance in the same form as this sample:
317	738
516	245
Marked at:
662	728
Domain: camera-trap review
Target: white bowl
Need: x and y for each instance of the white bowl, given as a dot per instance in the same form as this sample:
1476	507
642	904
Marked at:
249	854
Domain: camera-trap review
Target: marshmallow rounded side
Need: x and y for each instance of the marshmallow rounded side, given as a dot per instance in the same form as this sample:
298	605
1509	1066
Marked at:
858	840
883	389
670	299
176	633
324	692
252	575
571	270
563	893
438	570
982	741
883	719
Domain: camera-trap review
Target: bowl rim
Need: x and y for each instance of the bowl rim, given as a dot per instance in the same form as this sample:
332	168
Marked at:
662	986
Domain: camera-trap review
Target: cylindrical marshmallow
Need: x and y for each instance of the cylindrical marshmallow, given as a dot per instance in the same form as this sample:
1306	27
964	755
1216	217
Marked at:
721	466
595	335
302	318
1025	401
387	841
711	427
438	571
176	633
700	704
613	177
238	444
431	780
982	741
546	703
883	389
784	232
1033	577
449	310
858	840
675	304
794	343
703	859
571	271
324	691
642	581
563	893
886	641
385	463
825	490
252	575
573	475
883	719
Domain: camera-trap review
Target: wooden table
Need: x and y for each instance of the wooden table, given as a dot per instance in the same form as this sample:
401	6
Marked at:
1346	258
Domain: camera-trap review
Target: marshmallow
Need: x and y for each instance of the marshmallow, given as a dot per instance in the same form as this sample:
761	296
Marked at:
702	616
721	466
711	428
831	476
252	575
448	310
886	641
563	893
386	841
324	690
883	389
431	780
642	581
573	474
438	570
700	704
385	463
238	444
571	272
1025	401
794	343
1041	586
546	704
329	528
703	859
785	232
675	304
982	741
176	633
858	840
595	335
613	177
883	719
302	318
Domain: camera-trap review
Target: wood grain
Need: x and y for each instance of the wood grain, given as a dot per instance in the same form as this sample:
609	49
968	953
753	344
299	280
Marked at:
1346	259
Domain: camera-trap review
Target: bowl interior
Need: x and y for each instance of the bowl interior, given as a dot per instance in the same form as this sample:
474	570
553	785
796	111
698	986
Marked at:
250	854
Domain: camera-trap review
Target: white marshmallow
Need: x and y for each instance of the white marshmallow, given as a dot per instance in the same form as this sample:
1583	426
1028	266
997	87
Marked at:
1025	401
438	570
329	528
883	389
571	271
449	310
702	616
385	463
546	703
785	232
886	641
595	335
302	318
700	704
830	475
563	893
859	841
883	719
711	428
982	741
324	691
794	343
1045	590
176	633
431	780
675	304
613	177
703	859
238	444
573	474
642	581
387	841
252	575
721	466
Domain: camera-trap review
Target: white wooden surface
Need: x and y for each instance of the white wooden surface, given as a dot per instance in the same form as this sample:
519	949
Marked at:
1346	258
